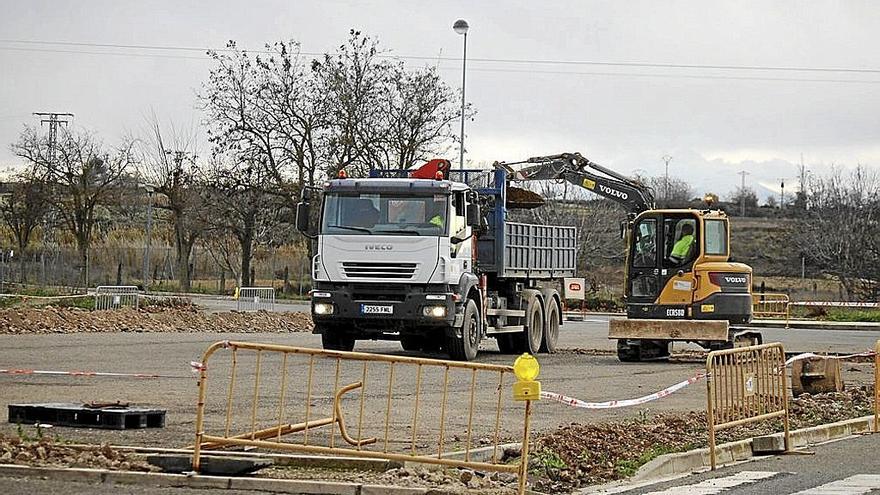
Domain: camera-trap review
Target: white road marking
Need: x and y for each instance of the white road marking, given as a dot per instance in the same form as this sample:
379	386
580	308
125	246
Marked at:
718	485
854	485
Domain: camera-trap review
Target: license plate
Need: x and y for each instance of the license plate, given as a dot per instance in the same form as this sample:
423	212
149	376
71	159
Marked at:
372	309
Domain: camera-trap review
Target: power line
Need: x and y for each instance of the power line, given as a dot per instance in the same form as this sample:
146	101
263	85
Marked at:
487	69
655	65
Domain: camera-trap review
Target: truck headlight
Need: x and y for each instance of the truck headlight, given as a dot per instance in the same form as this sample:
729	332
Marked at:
434	311
323	309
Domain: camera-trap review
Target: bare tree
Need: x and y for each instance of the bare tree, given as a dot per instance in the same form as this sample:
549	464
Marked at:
680	193
352	81
169	165
419	110
23	208
350	109
263	108
243	210
841	231
77	181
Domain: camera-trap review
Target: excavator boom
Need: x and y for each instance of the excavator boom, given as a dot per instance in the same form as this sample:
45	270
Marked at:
574	168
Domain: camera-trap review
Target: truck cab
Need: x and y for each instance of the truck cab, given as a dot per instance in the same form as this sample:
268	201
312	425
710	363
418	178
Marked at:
391	258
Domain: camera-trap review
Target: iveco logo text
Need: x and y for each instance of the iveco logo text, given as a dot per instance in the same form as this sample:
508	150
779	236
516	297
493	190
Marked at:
613	192
736	280
378	247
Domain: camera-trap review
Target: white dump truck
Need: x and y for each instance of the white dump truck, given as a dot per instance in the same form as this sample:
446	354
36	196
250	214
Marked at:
427	257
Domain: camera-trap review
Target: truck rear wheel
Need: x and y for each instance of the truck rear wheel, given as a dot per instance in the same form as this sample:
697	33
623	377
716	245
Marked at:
332	339
551	326
532	337
465	348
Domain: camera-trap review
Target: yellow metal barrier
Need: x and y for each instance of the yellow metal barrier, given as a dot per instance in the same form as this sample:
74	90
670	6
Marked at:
772	306
407	409
746	385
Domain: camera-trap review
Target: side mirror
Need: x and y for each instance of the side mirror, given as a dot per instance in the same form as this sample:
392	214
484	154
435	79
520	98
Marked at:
302	217
474	216
623	226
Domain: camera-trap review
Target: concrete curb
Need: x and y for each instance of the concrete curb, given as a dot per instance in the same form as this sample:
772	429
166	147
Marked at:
816	325
692	460
293	460
102	476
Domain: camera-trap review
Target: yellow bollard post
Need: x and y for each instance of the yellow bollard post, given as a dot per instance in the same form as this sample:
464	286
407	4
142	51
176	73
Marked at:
526	388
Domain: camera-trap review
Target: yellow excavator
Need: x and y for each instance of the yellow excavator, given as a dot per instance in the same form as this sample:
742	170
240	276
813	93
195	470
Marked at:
680	284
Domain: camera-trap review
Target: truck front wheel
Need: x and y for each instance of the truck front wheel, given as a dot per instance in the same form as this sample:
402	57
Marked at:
332	339
465	348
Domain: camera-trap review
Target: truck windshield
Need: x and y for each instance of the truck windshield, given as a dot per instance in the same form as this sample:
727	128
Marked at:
385	214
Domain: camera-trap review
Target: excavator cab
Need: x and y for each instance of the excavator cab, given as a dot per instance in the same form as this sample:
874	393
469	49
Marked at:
678	268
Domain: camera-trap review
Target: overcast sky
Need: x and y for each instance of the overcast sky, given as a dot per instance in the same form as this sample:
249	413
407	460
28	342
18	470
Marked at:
713	122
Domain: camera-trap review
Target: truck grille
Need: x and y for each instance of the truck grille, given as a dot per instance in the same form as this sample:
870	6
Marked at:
369	269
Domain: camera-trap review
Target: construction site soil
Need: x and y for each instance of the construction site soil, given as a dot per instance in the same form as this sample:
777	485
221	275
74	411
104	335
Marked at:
177	318
574	456
578	455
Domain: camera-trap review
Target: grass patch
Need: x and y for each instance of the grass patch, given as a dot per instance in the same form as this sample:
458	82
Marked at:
549	459
84	302
853	315
9	302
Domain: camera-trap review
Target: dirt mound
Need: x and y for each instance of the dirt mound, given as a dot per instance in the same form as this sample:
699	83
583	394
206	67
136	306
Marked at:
174	319
46	452
577	455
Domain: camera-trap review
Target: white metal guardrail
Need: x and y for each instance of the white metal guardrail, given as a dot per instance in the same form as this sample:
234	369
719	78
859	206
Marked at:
255	299
116	296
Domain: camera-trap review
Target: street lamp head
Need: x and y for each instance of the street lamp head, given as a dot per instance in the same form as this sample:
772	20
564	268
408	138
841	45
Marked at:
460	26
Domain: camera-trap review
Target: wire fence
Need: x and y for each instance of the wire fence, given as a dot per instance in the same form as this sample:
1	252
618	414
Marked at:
285	269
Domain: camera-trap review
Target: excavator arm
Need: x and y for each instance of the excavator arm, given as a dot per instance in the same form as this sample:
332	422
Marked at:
574	168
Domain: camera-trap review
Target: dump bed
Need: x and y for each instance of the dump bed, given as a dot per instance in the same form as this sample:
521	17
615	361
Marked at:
509	249
538	251
517	250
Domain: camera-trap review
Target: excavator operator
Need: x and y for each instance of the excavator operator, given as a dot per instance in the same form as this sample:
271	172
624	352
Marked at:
682	248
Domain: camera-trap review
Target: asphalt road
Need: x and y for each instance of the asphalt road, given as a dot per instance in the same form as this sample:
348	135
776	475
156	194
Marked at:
848	467
585	376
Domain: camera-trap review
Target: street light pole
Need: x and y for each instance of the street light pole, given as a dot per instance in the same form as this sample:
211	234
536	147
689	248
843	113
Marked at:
667	159
146	268
461	27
